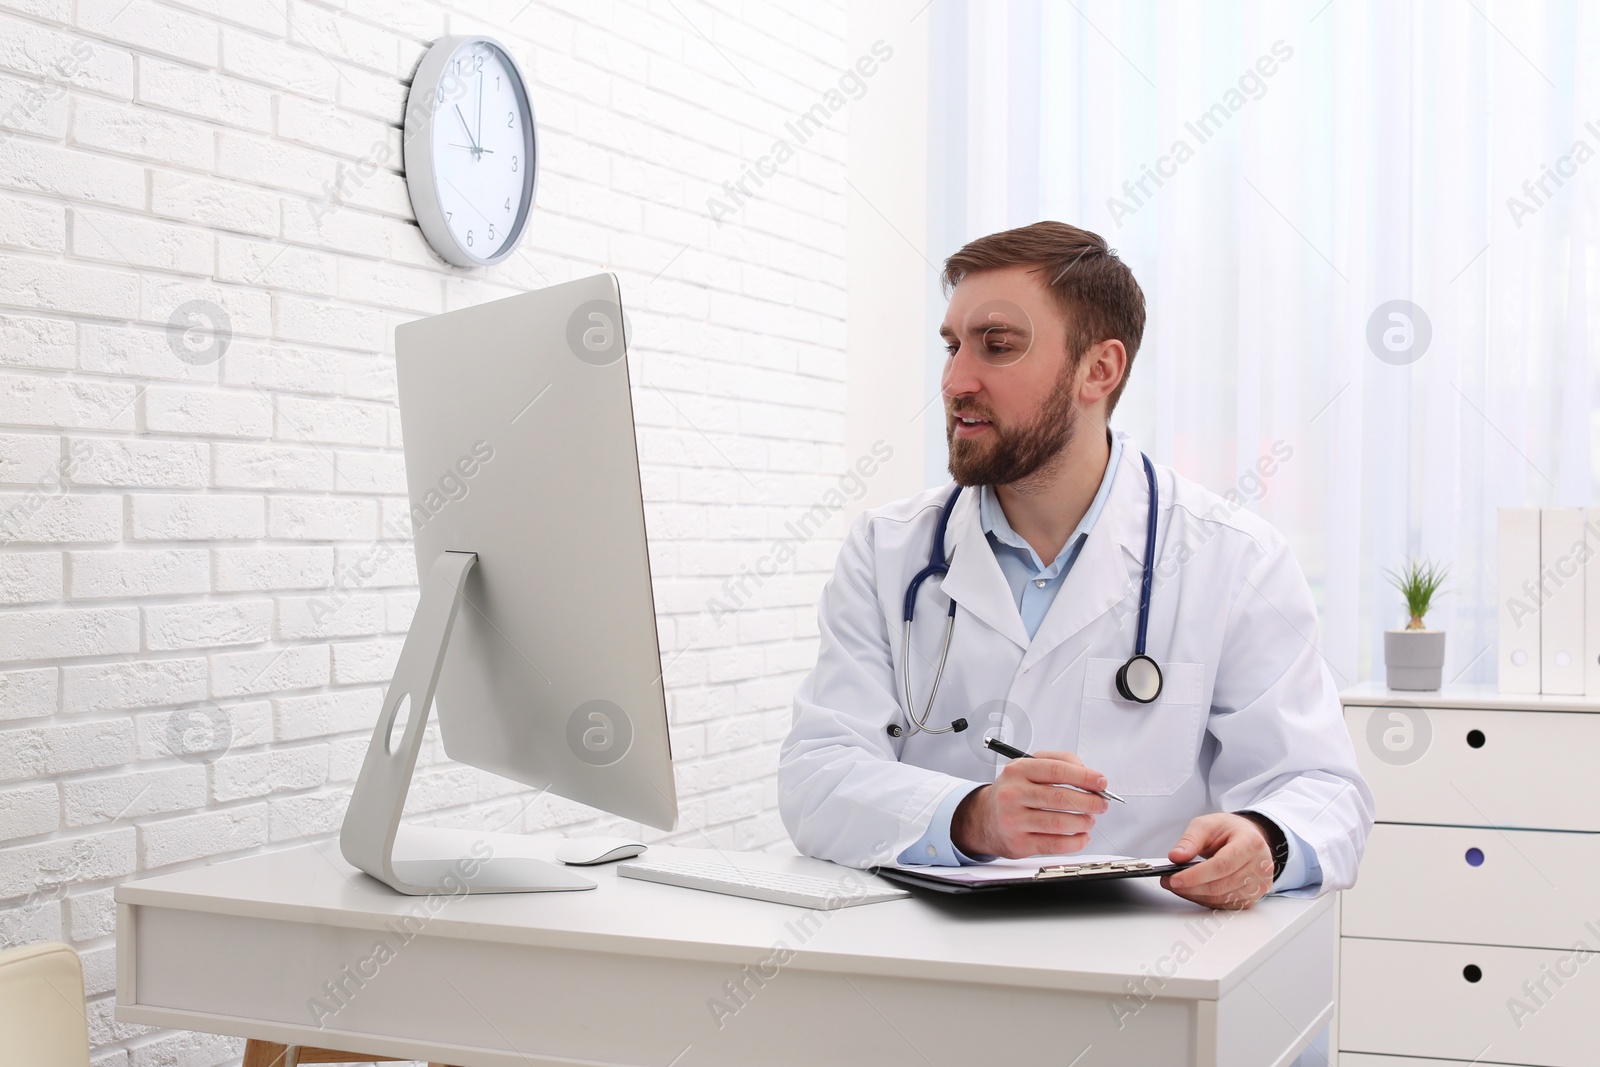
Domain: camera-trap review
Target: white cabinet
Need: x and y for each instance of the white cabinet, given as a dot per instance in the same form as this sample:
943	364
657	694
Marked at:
1473	932
1476	886
1450	1001
1528	769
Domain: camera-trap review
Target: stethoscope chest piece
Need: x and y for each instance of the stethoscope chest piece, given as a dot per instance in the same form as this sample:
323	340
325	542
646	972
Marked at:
1139	679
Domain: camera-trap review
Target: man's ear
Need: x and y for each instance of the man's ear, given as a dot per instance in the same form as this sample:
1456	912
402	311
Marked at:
1104	364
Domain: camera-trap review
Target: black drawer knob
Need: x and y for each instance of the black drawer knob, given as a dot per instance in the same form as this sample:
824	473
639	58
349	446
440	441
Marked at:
1471	972
1475	738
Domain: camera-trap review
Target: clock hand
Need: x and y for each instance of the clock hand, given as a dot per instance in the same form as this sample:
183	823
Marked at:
469	148
480	108
466	128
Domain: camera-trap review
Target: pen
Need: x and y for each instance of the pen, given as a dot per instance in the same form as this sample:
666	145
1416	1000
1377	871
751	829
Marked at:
1012	752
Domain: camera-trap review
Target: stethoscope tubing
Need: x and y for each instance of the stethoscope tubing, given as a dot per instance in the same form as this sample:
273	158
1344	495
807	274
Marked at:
939	566
1147	579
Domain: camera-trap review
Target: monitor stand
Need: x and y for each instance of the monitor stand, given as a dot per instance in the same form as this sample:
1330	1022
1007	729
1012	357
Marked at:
372	821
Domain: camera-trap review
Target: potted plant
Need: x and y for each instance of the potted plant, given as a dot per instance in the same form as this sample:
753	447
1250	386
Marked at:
1414	656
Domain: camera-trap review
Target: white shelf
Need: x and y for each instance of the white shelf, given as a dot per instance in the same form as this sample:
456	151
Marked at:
1376	694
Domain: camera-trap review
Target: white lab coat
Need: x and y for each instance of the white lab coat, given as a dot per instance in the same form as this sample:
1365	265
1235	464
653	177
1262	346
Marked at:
1249	716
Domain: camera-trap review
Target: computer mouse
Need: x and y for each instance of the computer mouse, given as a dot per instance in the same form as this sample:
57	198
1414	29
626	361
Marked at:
588	851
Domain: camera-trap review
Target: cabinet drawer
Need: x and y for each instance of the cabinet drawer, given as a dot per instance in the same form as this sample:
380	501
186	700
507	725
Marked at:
1529	888
1356	1059
1412	998
1528	769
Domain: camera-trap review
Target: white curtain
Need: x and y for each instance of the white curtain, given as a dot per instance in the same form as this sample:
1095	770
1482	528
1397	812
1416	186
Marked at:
1316	162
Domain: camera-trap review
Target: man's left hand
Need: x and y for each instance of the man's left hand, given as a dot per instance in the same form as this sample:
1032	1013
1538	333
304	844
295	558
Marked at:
1238	871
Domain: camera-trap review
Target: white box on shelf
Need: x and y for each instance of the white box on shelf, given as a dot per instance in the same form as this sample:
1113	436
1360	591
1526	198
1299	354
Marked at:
1591	605
1561	579
1519	600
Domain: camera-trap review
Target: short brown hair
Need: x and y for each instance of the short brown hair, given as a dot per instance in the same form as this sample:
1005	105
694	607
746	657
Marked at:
1094	289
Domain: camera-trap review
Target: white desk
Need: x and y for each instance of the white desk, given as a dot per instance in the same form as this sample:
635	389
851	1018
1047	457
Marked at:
628	973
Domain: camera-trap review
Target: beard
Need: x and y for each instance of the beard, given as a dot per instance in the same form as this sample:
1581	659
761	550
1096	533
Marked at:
1006	456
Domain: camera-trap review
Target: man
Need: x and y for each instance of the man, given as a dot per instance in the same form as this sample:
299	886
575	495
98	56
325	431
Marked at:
1241	759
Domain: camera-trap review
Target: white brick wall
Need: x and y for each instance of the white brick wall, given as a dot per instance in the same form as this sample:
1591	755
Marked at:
170	691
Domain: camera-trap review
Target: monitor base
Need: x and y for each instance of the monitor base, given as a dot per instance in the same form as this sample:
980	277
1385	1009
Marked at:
461	873
372	821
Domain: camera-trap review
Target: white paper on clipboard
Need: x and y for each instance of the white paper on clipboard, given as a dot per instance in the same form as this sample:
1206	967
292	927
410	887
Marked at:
1002	870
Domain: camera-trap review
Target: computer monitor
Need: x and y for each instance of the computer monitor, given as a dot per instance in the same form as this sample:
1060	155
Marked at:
536	626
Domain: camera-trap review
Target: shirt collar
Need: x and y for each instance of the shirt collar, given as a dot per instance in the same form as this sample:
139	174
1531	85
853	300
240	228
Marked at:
992	517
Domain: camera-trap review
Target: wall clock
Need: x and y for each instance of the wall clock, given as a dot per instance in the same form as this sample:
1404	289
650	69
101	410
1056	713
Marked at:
471	150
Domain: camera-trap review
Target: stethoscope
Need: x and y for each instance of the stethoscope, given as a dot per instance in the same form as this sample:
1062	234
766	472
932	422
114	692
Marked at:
1138	680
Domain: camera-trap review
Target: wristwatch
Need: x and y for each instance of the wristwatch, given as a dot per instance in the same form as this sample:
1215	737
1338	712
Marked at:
1276	840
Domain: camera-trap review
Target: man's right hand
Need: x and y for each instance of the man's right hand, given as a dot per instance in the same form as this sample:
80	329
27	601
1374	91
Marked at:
1026	813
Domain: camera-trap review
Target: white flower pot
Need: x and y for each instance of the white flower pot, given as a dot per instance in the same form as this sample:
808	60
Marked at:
1414	659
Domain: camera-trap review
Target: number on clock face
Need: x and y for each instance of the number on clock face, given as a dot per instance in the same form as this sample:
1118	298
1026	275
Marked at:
479	148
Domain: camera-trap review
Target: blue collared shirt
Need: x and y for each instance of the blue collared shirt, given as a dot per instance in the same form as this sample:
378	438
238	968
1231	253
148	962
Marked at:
1034	587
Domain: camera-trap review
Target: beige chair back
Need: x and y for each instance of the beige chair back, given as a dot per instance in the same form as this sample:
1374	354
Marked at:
42	1020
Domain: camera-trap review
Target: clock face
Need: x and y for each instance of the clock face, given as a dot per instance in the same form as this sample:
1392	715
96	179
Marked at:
481	145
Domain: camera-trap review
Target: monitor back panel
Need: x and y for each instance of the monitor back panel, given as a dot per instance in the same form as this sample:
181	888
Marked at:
519	446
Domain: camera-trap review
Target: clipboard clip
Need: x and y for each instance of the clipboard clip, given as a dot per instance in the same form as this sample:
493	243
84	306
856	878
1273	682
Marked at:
1073	870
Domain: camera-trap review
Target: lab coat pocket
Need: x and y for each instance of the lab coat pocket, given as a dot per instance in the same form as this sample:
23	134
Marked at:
1142	749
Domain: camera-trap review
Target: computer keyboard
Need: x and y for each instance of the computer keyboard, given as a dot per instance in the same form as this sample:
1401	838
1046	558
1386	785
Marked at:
848	888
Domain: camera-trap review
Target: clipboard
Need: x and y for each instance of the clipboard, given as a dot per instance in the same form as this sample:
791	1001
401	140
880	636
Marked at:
1015	874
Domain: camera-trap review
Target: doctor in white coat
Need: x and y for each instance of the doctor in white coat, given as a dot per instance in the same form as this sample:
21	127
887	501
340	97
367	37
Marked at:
1243	758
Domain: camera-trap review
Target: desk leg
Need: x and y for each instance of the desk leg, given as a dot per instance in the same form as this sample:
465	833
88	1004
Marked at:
271	1054
266	1054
